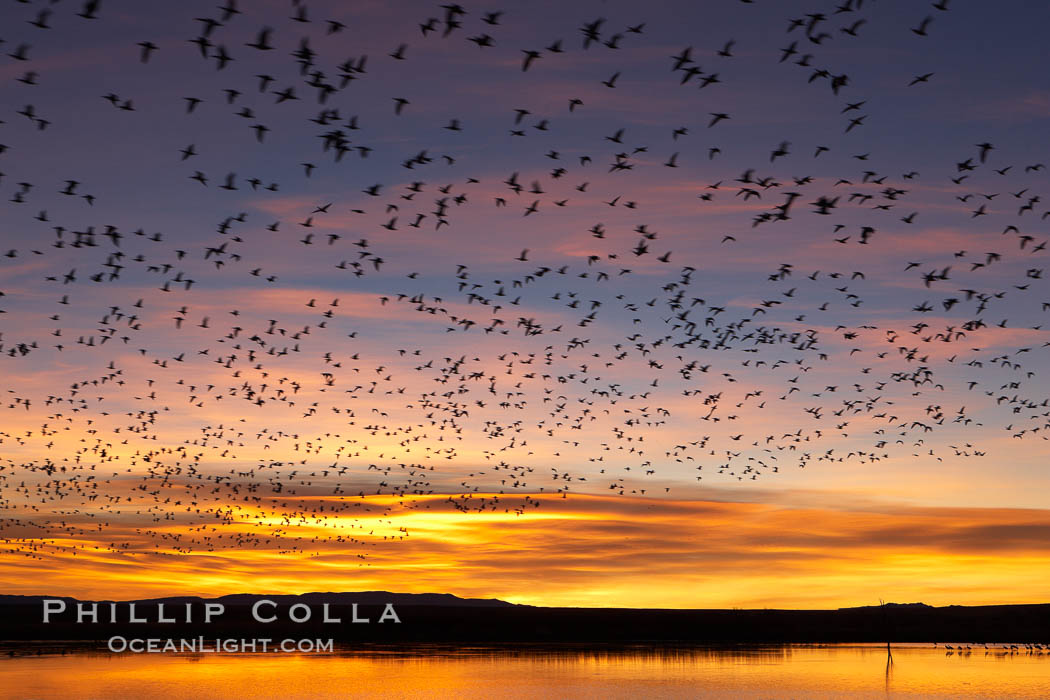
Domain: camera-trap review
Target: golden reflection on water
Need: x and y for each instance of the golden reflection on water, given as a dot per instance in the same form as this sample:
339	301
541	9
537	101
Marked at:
819	672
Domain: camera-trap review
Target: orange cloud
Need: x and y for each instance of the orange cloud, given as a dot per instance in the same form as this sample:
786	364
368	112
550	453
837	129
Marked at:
593	551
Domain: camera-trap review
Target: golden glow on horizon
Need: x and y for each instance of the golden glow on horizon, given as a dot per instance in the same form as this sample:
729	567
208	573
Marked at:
594	551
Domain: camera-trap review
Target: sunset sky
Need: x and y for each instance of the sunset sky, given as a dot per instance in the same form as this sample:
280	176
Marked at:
546	335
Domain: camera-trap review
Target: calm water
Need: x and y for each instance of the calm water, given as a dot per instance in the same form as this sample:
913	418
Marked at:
836	671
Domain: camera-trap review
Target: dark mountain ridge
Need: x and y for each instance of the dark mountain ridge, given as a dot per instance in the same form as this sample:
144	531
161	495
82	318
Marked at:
366	617
362	597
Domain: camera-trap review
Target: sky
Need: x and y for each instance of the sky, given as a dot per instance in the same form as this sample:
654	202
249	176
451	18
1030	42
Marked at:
666	305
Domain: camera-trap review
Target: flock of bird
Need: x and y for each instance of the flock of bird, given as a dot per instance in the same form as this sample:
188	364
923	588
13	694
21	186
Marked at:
964	650
175	391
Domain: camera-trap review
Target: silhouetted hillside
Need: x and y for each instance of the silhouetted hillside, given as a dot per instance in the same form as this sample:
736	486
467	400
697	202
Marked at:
363	598
440	618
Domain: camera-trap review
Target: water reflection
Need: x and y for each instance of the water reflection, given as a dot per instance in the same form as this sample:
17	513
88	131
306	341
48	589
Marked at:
810	671
889	667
